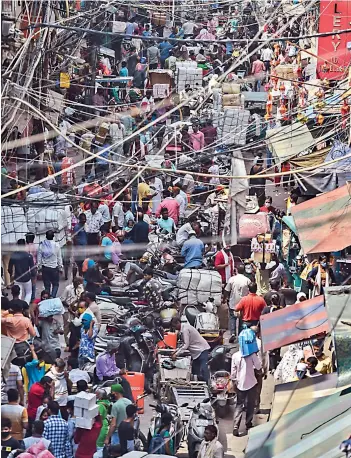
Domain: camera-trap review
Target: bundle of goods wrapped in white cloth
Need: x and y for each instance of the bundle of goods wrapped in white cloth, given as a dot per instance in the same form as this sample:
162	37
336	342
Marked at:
51	307
197	285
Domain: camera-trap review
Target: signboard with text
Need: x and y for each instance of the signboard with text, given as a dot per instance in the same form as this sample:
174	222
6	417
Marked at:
333	56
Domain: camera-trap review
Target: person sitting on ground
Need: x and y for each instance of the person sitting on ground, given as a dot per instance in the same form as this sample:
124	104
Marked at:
193	250
74	373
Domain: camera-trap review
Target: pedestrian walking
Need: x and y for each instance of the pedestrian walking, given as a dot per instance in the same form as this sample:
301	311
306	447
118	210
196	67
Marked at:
50	263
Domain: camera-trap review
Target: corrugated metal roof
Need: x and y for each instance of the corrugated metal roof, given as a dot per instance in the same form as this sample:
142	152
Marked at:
294	323
323	223
338	303
306	432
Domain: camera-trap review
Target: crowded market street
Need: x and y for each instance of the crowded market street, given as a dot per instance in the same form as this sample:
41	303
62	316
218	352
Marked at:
175	243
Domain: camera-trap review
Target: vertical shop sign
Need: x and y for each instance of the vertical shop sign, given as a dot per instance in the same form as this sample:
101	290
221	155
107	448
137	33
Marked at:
333	56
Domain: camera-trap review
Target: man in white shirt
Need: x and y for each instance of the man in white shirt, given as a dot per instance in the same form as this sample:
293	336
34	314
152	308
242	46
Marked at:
180	199
267	56
106	217
117	133
210	447
197	347
93	224
183	232
188	184
243	374
49	261
188	28
236	288
118	214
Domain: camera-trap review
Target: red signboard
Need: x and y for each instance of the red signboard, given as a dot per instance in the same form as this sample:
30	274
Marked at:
333	56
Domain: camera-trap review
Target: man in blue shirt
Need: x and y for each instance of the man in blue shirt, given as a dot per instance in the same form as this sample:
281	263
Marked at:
80	239
146	32
164	48
107	243
102	165
166	223
192	251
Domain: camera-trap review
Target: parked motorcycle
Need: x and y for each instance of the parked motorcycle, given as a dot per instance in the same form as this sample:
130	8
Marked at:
137	347
24	355
203	415
221	387
177	428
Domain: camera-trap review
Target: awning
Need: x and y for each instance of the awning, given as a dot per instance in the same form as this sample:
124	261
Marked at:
294	323
289	221
289	141
323	223
314	431
294	395
338	303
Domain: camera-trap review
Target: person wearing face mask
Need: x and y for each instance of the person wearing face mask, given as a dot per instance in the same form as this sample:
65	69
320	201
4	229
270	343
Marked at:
268	207
211	447
8	443
88	334
118	413
320	276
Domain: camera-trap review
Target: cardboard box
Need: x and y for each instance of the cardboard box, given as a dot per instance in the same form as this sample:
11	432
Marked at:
85	400
78	411
85	423
92	412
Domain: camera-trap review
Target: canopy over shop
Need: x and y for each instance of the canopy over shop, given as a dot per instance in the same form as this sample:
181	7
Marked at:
323	223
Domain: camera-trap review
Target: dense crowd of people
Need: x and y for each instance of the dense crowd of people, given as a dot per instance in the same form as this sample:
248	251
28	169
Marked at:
120	208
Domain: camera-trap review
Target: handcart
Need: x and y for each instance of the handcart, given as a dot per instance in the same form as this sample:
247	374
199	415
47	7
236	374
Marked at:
170	372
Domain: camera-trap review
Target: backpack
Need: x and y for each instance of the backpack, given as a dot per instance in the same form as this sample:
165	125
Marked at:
157	445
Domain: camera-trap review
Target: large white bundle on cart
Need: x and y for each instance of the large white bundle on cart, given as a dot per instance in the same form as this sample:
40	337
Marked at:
48	211
197	285
13	224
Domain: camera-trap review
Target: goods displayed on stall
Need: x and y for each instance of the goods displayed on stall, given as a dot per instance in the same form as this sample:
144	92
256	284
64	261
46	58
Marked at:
188	73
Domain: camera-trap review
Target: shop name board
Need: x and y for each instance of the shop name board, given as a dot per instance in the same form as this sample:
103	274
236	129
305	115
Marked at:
333	54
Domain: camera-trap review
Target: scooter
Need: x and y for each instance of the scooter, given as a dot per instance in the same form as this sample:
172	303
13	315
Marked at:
203	317
203	415
221	387
177	427
138	347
